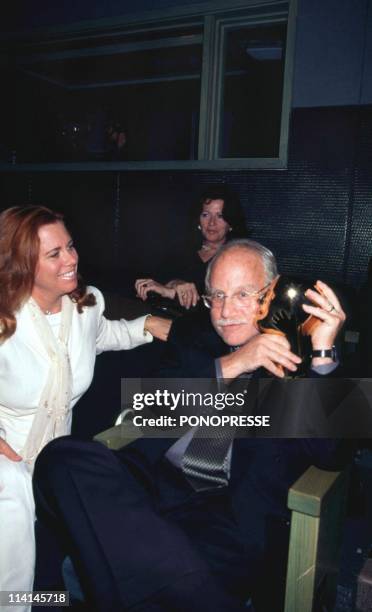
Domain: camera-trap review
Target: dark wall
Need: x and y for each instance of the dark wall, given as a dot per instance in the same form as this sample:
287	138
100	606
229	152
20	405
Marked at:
333	53
316	216
333	40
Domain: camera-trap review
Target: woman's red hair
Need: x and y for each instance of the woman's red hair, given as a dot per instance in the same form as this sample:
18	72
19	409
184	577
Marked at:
19	253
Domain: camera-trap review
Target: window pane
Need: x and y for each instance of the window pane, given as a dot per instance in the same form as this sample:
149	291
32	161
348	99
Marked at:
136	104
253	88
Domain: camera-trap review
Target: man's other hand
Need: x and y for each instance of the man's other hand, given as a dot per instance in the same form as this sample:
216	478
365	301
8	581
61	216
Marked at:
327	309
270	351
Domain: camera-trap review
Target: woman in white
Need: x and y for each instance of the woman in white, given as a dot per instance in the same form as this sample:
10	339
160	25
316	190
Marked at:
51	328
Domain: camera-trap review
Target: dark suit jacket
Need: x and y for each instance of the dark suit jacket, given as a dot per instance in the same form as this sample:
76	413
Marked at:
266	466
262	469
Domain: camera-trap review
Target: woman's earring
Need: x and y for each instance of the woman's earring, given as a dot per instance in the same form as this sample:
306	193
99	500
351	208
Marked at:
199	227
230	229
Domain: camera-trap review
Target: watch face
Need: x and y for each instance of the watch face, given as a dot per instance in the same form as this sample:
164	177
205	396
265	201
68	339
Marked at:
326	353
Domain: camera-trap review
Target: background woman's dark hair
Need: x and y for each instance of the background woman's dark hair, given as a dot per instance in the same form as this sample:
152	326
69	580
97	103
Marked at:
232	210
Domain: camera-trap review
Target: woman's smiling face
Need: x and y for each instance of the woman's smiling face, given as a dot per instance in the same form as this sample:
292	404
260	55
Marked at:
56	270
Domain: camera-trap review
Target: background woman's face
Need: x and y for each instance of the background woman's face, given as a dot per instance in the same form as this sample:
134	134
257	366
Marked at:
56	270
213	226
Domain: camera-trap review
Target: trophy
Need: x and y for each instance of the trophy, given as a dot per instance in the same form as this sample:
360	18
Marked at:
281	313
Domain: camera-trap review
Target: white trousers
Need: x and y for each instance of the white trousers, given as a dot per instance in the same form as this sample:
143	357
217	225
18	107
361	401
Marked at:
17	539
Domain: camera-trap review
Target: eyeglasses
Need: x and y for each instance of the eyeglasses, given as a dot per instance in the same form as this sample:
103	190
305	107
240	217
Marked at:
240	298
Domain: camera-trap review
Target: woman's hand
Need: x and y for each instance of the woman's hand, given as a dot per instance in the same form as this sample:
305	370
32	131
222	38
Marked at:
144	285
7	450
158	327
187	293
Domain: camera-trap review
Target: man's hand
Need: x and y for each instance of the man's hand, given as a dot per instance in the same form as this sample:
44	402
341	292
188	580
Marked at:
144	285
269	351
7	450
187	293
327	309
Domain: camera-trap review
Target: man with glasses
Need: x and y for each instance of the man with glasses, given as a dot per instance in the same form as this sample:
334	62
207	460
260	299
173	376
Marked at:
236	282
193	525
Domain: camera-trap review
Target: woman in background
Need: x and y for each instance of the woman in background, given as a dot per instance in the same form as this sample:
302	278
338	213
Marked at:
218	217
51	328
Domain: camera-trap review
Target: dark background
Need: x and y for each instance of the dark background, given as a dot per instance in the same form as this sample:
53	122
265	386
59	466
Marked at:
315	215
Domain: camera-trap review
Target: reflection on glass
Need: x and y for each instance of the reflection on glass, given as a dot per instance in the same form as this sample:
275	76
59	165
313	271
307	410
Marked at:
111	105
252	94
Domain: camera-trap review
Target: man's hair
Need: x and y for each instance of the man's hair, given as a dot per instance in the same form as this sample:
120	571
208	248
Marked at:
267	258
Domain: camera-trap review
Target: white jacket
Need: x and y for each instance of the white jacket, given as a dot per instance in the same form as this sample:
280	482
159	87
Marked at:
24	362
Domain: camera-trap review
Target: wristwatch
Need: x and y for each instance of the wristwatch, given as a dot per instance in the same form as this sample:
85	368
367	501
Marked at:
332	353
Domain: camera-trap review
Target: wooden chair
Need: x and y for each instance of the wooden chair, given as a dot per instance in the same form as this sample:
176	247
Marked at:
120	435
317	501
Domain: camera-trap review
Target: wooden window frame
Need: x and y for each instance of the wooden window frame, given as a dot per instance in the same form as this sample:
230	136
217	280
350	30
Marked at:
216	18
